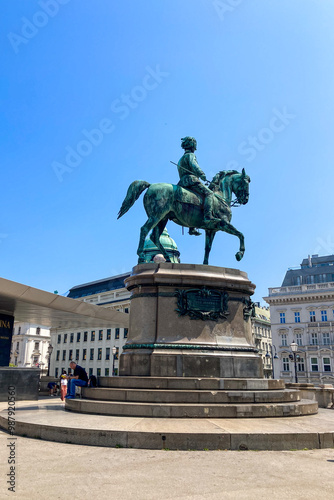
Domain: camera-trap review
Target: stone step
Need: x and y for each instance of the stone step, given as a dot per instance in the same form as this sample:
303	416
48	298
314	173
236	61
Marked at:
190	396
188	383
47	419
182	410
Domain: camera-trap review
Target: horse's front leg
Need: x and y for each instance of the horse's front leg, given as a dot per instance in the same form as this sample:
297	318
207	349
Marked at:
144	230
209	235
228	228
155	237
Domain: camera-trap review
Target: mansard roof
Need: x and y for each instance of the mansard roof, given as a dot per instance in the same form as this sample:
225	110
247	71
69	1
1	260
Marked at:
99	286
313	270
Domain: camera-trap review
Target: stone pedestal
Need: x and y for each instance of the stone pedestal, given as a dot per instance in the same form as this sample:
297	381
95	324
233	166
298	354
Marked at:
190	320
19	383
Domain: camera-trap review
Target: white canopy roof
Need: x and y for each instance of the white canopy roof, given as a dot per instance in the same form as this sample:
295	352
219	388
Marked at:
31	305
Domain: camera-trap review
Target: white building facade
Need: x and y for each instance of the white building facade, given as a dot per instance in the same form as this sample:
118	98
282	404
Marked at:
261	329
93	349
30	346
304	313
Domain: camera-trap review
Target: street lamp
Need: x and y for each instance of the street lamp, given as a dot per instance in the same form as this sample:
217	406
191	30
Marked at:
114	350
294	357
50	349
272	356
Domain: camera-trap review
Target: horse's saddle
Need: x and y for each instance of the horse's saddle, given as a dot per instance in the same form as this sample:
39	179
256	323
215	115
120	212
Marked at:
184	195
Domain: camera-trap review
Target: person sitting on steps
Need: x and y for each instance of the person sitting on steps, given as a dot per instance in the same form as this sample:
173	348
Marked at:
79	378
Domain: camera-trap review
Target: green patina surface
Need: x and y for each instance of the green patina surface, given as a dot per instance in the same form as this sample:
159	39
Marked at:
151	250
190	203
202	304
197	347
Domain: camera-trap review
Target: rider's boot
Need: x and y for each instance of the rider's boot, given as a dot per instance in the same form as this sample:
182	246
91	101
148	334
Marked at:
193	232
209	218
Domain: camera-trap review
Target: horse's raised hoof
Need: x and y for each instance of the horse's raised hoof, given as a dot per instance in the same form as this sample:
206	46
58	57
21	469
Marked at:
193	232
239	255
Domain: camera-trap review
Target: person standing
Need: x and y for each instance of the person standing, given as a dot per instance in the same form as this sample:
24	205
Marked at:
79	378
63	385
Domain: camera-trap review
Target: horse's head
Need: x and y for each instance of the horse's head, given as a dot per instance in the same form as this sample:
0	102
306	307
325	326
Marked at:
240	187
232	181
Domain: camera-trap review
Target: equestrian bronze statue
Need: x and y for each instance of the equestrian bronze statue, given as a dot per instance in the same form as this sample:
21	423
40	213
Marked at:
190	203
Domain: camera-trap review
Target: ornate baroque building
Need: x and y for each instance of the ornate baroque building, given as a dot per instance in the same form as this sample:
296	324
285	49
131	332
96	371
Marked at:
302	310
30	346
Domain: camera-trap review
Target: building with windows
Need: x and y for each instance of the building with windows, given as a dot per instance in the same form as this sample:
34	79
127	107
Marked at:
302	310
261	329
93	349
30	346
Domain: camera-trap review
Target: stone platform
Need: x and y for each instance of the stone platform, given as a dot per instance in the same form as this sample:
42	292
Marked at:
47	419
172	397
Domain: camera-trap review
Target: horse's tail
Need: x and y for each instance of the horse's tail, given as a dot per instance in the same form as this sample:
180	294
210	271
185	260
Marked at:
134	191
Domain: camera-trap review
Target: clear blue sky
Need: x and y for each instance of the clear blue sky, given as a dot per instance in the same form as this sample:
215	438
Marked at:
251	80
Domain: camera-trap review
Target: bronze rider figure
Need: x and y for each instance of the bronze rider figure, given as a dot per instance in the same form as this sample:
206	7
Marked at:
190	173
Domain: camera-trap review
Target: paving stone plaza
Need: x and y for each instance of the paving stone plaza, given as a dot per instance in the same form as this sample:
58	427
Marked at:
132	474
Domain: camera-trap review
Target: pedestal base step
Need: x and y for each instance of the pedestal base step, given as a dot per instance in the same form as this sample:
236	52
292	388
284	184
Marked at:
192	383
190	396
182	410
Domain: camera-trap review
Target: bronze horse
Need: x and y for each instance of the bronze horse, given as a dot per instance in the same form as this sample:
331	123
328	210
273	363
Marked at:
164	202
